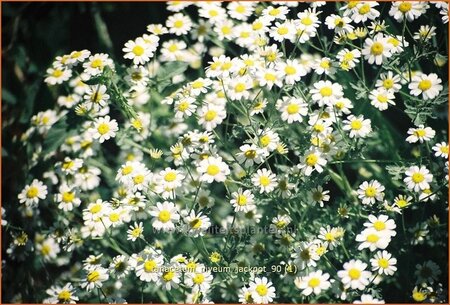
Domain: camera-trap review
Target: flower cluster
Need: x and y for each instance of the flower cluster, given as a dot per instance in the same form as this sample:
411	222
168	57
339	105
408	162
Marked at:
311	122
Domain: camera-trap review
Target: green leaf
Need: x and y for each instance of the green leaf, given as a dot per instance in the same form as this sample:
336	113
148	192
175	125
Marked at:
58	133
30	93
171	69
8	97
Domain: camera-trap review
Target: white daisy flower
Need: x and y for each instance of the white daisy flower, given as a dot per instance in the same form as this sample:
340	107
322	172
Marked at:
196	224
326	92
97	63
179	24
407	9
135	231
265	180
32	193
148	268
139	51
381	224
213	169
211	115
250	154
427	85
104	128
242	201
262	290
67	198
384	263
377	50
418	178
355	275
314	282
372	239
358	126
292	109
57	76
441	150
165	216
368	299
95	278
421	134
312	161
64	295
370	192
389	81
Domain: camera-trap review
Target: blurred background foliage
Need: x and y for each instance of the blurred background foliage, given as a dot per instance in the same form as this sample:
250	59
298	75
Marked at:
33	34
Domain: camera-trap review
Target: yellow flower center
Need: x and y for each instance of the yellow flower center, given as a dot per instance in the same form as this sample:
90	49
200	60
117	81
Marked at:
57	73
424	85
377	48
388	83
93	276
45	250
370	191
349	56
196	223
239	87
364	9
114	217
178	24
417	177
314	282
270	77
240	9
212	170
405	7
168	276
401	203
444	149
419	296
261	289
164	216
339	22
32	192
264	140
136	232
210	115
257	25
170	176
312	159
198	278
372	238
68	197
103	128
356	125
95	208
274	12
292	108
379	225
393	41
183	106
97	63
282	30
329	236
352	4
326	91
173	48
325	64
127	169
354	273
138	50
383	263
264	180
307	20
138	179
64	296
241	200
149	266
250	154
